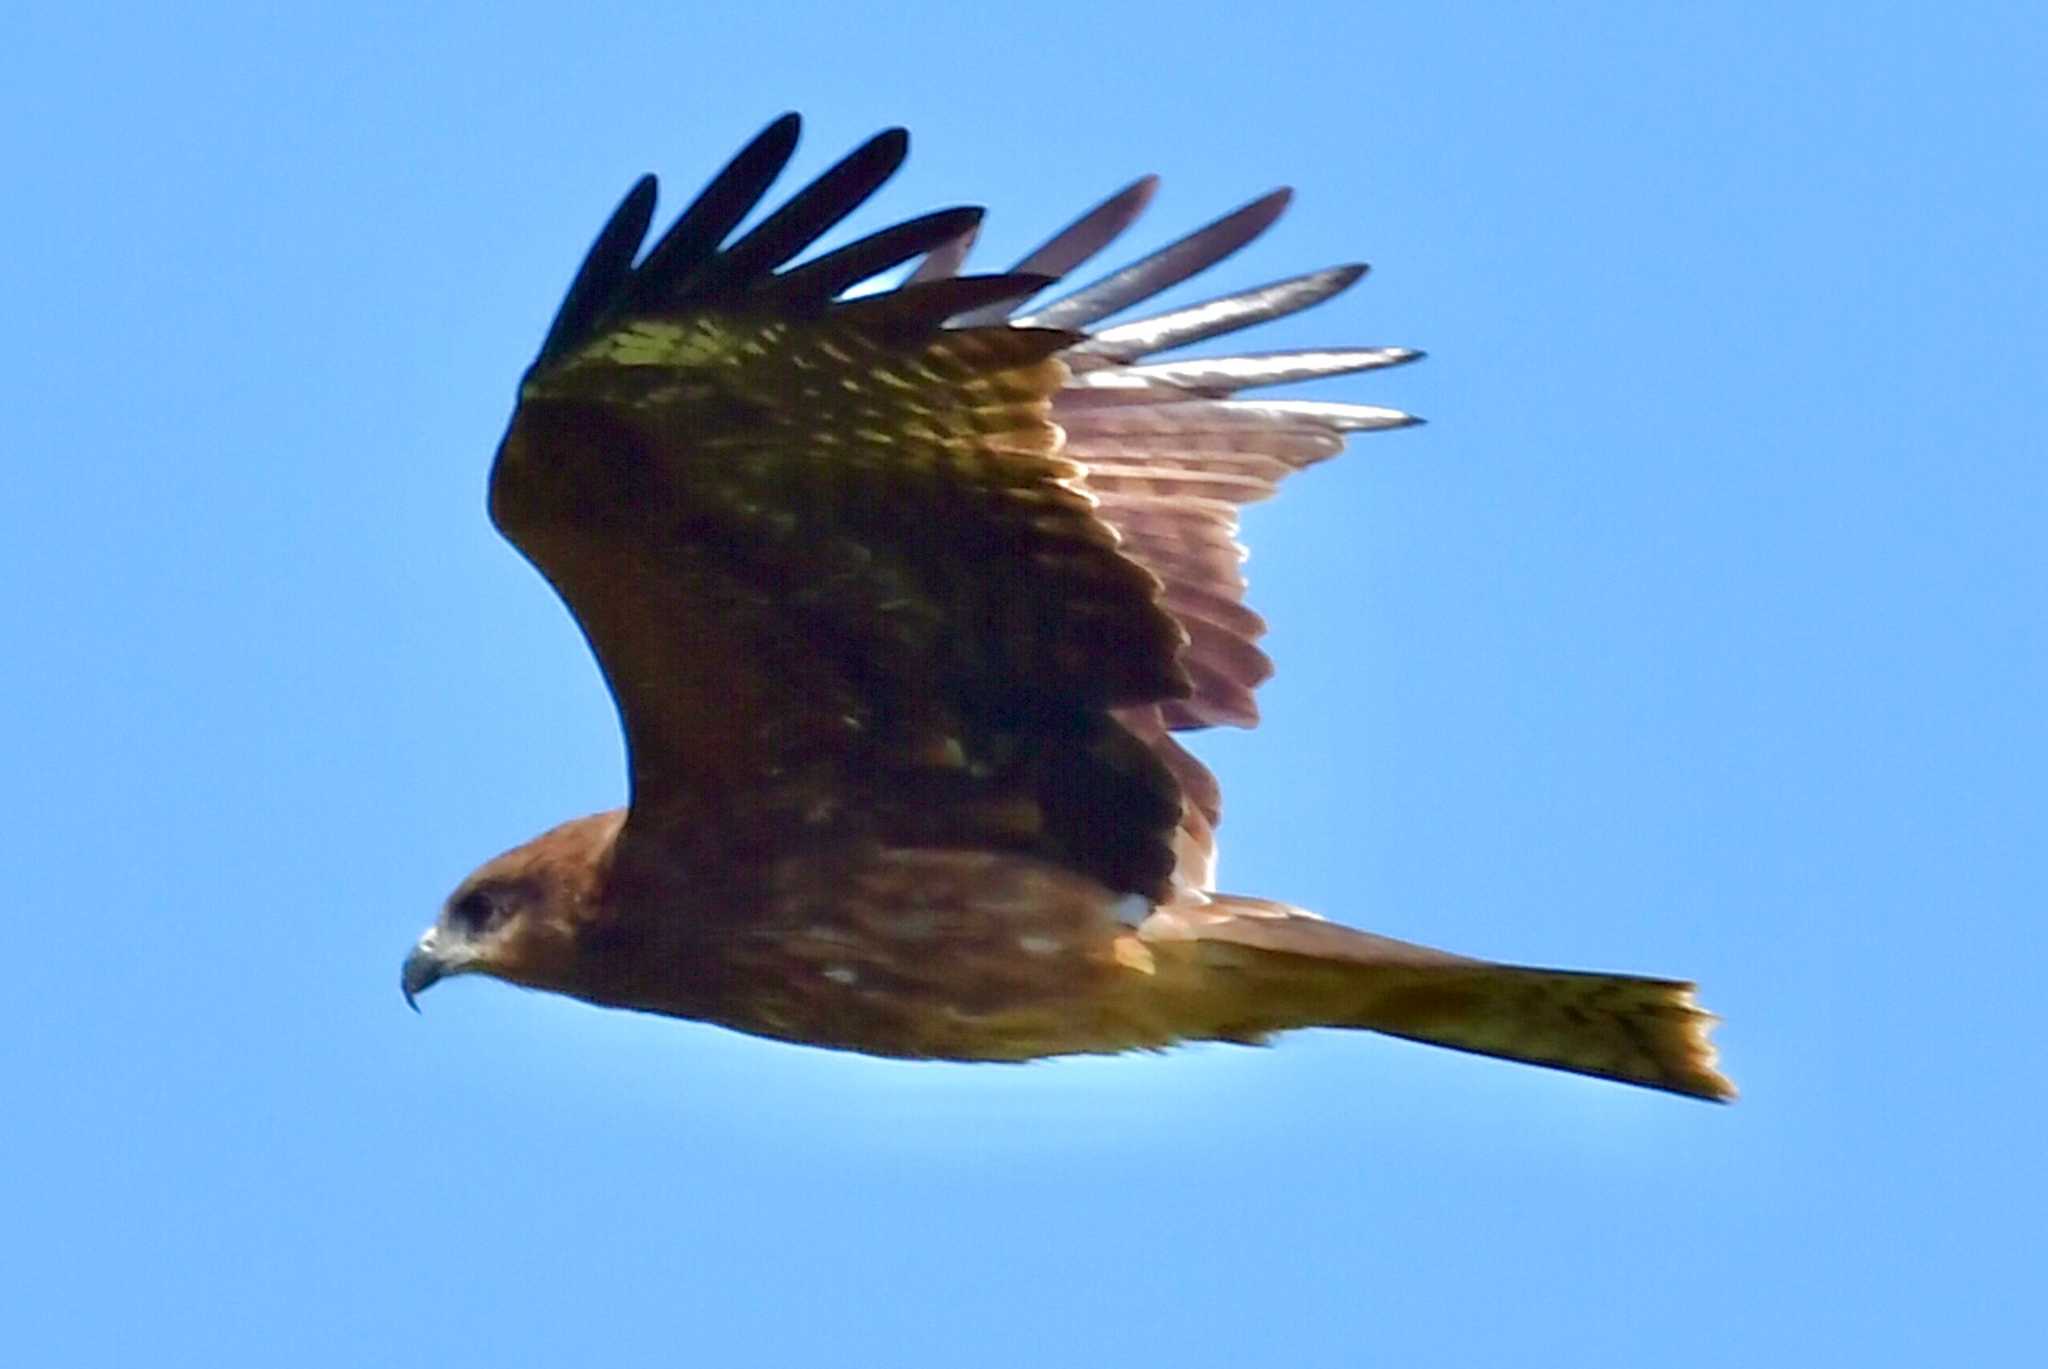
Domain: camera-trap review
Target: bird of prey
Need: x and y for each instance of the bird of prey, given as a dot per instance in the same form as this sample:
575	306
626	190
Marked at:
902	595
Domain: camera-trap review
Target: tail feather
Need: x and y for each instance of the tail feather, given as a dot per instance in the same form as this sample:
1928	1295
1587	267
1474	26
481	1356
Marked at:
1637	1030
1255	967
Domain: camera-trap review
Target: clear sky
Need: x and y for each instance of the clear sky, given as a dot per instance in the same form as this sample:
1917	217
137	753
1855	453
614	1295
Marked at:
1699	634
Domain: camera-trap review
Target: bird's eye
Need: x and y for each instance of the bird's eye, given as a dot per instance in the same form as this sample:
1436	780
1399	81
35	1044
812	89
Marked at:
474	911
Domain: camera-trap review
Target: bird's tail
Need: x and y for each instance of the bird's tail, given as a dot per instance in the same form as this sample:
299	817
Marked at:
1249	967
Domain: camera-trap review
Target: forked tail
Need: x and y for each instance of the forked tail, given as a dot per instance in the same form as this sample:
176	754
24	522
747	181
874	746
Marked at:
1259	967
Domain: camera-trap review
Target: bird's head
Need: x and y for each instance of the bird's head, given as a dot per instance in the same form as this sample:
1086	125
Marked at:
517	916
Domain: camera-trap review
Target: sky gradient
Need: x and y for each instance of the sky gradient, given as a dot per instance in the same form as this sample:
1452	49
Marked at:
1699	634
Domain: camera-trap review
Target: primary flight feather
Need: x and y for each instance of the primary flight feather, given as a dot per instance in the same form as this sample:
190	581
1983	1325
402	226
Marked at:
902	597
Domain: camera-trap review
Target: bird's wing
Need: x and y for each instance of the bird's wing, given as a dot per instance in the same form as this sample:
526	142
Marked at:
841	581
1170	451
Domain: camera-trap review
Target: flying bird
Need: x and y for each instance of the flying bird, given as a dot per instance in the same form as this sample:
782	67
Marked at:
903	595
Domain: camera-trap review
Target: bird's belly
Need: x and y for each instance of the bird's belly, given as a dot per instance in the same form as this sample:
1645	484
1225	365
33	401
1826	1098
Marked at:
983	1000
944	955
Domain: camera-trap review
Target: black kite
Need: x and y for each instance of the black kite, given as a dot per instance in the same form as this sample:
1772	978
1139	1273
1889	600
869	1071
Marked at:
902	597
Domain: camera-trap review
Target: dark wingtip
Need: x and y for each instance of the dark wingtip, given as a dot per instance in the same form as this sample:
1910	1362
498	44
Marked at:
605	269
896	140
809	214
778	140
817	282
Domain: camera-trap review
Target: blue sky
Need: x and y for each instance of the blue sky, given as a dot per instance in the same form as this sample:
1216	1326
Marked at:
1699	634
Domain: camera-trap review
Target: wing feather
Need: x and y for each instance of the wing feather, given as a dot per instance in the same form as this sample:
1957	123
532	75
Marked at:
1077	242
925	304
732	194
1164	269
943	262
605	270
1216	377
809	215
1226	314
810	287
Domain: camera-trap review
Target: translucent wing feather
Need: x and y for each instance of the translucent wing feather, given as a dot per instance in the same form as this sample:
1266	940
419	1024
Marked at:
894	532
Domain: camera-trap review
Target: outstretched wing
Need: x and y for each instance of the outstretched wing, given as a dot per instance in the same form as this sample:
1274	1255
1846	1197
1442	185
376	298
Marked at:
911	567
1170	451
840	579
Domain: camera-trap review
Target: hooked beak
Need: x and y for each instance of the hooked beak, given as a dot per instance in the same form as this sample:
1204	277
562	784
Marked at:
423	968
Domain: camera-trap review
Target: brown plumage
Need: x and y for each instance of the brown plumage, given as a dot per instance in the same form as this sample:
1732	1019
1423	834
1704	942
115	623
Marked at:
901	598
